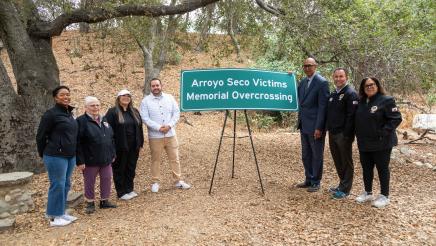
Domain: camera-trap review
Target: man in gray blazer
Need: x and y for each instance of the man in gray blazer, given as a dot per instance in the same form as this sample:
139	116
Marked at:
313	93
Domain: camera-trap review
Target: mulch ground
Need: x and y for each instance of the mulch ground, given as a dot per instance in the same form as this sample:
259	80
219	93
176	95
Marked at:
237	213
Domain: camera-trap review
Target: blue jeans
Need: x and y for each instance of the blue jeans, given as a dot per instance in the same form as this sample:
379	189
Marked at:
59	173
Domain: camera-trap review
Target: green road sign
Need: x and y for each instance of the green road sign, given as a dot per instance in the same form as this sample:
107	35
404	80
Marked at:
234	88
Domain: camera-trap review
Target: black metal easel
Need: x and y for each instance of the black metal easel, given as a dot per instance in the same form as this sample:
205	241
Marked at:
234	143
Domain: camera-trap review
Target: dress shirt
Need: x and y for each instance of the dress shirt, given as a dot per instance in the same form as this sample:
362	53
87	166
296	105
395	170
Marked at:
158	111
309	80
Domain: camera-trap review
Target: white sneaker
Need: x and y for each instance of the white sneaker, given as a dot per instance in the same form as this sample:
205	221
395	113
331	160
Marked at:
380	202
69	217
155	187
133	194
126	197
364	197
182	185
59	221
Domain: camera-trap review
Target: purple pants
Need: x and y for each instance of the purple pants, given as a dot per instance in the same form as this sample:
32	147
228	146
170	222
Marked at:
90	174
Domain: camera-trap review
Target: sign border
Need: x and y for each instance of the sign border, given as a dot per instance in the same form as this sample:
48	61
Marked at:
234	108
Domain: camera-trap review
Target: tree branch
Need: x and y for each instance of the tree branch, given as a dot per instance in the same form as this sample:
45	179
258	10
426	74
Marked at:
94	15
269	8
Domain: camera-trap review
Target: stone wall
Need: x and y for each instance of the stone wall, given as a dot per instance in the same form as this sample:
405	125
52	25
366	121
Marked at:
15	198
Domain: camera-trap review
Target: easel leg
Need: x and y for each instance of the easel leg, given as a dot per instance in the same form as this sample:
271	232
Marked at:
254	152
234	142
218	153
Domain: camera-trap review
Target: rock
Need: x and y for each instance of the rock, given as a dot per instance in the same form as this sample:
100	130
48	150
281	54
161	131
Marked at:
418	163
15	178
7	223
24	197
4	206
424	122
15	192
401	161
405	151
74	199
8	198
428	165
4	215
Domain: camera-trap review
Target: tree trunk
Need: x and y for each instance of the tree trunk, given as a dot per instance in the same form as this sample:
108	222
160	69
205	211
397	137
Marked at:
152	68
36	73
231	32
147	52
205	27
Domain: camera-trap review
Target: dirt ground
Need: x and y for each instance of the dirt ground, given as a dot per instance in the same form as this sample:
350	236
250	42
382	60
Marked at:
236	213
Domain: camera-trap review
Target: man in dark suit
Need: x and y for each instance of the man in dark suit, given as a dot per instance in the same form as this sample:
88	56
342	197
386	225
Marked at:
313	93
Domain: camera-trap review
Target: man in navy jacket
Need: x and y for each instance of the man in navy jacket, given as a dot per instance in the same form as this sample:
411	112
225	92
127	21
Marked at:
341	108
313	93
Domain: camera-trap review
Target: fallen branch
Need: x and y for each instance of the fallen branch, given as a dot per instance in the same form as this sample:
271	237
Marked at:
185	120
422	136
410	104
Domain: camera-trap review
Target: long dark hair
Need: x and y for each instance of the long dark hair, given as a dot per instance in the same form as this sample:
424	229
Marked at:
380	89
130	108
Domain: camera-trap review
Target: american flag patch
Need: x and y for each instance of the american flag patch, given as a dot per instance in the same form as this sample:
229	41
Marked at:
395	109
355	102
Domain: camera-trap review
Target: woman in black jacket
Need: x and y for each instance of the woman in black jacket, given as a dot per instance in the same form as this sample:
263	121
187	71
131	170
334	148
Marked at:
95	153
129	139
376	119
56	141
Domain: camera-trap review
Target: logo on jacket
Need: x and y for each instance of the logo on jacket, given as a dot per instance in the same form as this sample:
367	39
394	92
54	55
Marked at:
395	109
373	109
341	96
331	99
106	124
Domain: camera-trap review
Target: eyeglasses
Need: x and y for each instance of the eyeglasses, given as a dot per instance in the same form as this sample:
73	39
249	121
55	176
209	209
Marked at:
370	85
308	65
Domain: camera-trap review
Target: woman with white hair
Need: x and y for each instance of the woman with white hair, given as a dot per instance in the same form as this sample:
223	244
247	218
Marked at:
129	139
95	153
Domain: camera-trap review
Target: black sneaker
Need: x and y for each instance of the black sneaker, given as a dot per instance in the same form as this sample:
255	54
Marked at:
302	185
313	188
90	208
106	204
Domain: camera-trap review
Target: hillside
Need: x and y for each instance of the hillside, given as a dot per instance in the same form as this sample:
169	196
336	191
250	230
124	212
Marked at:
236	213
